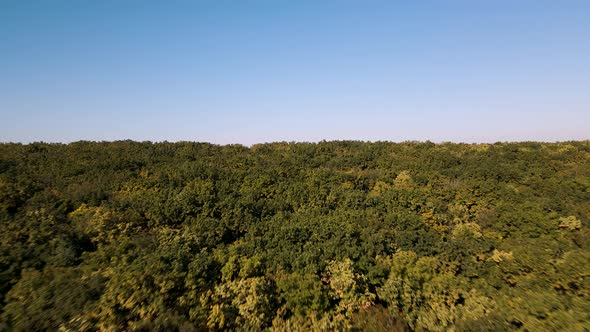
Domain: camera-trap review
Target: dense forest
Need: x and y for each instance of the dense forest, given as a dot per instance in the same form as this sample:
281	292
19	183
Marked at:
341	235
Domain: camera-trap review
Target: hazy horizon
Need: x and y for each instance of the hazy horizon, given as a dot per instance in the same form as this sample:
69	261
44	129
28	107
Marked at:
235	73
294	142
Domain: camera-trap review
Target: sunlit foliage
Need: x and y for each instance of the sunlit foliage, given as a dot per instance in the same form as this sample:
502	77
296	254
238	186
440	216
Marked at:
295	236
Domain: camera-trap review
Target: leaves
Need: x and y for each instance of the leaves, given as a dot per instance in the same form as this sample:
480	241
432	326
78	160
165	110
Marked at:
295	236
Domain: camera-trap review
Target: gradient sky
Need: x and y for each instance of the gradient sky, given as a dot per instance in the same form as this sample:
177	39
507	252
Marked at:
257	71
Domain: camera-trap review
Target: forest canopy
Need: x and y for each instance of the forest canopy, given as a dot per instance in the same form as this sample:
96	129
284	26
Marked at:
341	235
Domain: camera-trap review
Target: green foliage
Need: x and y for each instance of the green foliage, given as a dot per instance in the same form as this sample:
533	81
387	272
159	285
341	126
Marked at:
50	299
295	236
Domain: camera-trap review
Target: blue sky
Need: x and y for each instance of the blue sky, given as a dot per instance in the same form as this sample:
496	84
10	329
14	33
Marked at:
258	71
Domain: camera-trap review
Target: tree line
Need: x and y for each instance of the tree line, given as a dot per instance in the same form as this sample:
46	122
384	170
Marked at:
340	235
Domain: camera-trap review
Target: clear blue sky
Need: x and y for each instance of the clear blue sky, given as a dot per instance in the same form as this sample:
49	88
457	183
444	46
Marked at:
274	70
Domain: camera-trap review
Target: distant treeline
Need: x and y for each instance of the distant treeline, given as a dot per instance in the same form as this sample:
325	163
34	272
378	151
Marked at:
340	235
